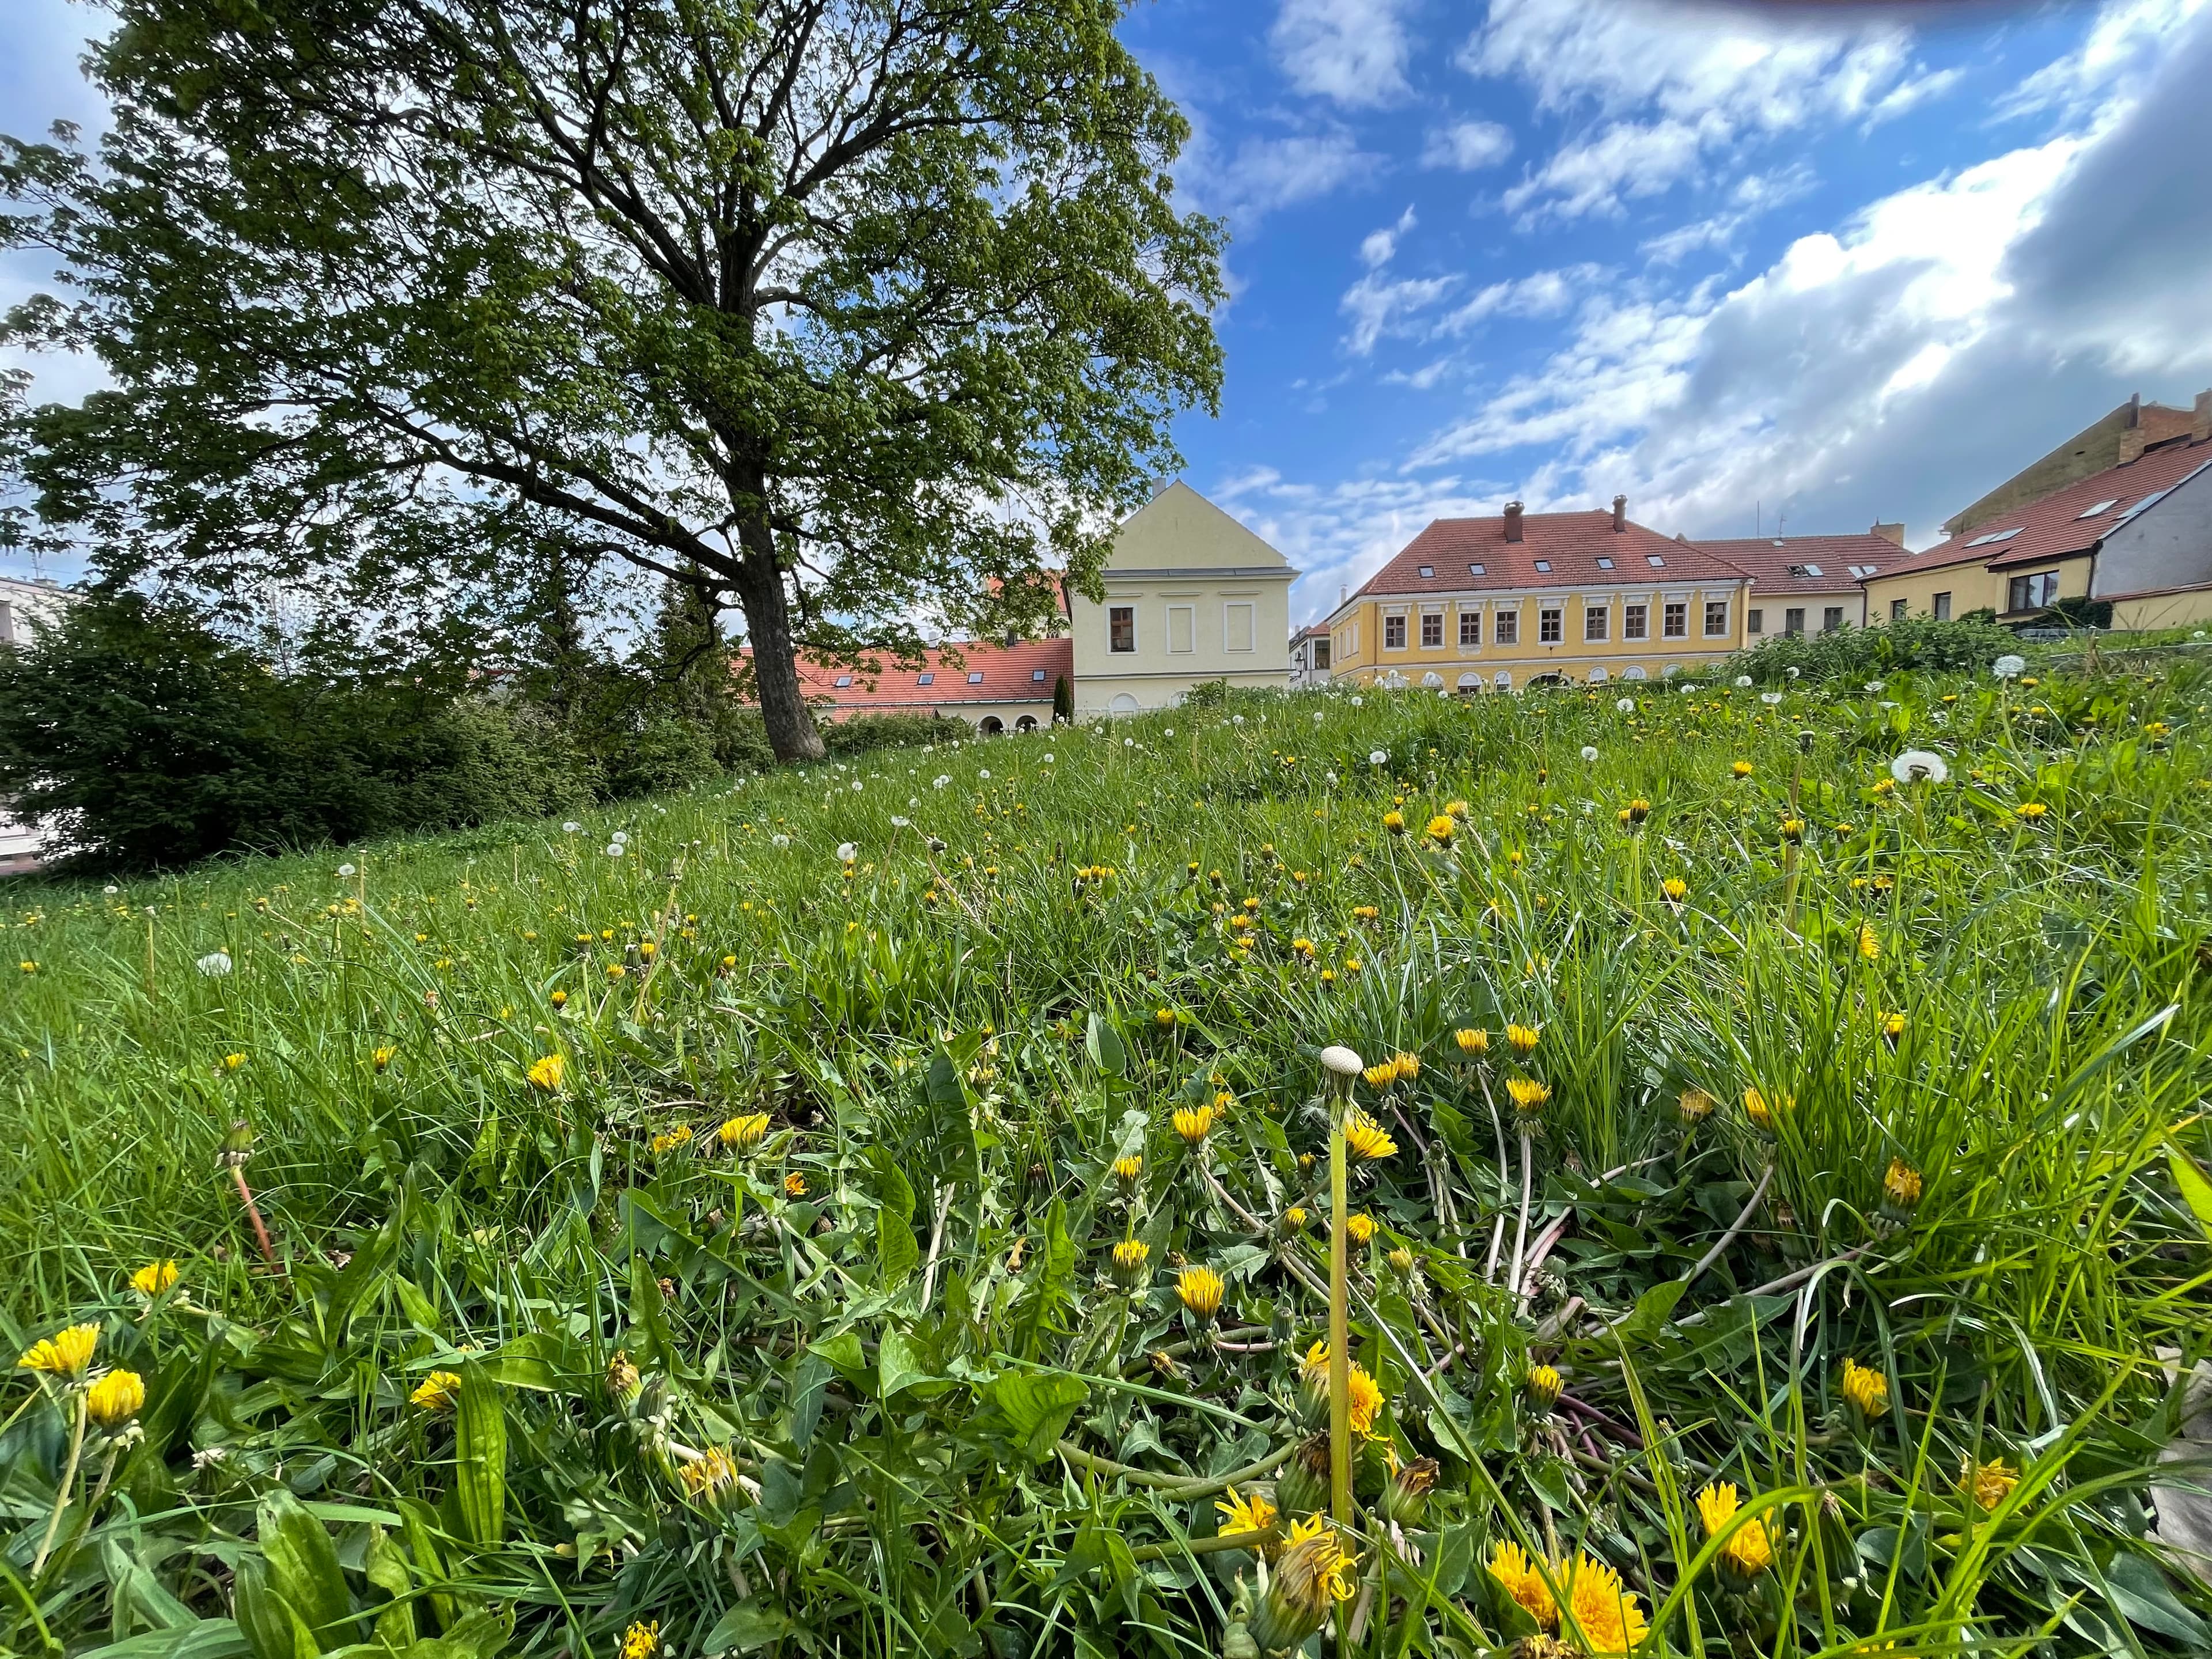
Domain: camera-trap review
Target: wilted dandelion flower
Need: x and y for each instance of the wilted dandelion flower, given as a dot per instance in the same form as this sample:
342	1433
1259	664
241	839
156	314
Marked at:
115	1399
1313	1575
441	1391
1987	1483
1517	1575
64	1354
1129	1169
1363	1394
155	1277
1365	1139
1866	1391
794	1185
545	1073
1199	1290
710	1478
1695	1106
672	1141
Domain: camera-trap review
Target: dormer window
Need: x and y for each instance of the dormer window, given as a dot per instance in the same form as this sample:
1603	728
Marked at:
1036	677
1605	564
1475	570
925	680
844	680
976	677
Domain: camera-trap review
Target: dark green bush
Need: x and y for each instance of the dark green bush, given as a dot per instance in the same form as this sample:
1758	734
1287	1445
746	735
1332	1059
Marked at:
662	751
1914	643
865	732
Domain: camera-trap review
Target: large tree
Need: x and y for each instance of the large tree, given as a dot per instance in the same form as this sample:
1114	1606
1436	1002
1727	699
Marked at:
857	314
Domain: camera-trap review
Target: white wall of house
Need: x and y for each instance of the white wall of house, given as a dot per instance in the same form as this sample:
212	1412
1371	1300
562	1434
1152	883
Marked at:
26	607
1191	596
2163	550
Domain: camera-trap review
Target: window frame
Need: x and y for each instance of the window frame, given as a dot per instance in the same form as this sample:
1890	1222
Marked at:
1675	619
1597	623
1251	610
1793	622
1189	615
1428	618
1116	617
1505	626
1470	630
1941	606
1754	619
1635	621
1899	609
1714	607
1832	619
1550	624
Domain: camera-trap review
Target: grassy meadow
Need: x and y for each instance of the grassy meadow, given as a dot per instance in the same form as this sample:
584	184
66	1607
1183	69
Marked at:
884	1209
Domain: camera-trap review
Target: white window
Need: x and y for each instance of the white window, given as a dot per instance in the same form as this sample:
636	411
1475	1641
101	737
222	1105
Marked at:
1122	629
1595	618
1635	621
1393	633
1432	629
1505	628
975	677
1036	677
1182	628
1239	626
1717	618
1470	628
925	680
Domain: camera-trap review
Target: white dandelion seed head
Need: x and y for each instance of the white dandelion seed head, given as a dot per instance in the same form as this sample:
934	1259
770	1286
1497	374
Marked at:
1743	682
1378	757
1590	753
1791	672
847	852
1234	720
1626	706
941	780
1129	743
898	823
2009	666
620	837
615	849
1358	702
914	800
856	786
983	773
111	889
1329	778
1874	686
215	964
1770	698
779	841
1918	766
571	826
345	870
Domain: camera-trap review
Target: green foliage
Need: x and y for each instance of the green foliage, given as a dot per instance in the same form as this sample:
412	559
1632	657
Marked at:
662	751
368	353
1063	701
1921	643
878	1368
863	732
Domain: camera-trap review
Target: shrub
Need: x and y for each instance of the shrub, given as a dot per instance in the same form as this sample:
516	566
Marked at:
1063	701
661	752
1914	642
866	732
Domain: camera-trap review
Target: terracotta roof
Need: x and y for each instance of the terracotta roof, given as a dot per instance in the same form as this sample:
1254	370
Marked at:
1570	544
1807	564
986	673
2066	522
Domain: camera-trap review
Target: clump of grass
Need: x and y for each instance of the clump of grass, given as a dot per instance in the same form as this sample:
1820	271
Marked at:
885	1207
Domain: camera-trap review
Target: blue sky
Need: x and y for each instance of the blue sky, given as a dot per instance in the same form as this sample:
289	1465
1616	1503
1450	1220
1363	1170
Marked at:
1834	264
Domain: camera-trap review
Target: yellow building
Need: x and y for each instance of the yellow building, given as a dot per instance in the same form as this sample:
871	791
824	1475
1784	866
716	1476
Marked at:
1531	599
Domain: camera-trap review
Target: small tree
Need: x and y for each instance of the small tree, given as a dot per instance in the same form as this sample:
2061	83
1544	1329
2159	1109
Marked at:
856	313
1063	701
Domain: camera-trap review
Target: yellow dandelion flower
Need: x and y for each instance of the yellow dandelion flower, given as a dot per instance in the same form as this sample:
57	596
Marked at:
1523	1038
2030	810
1869	942
616	970
1194	1123
1440	829
1129	1170
1365	1139
1130	1255
1762	1109
441	1391
232	1062
1253	1513
1516	1575
1741	769
1748	1553
1891	1025
1609	1616
744	1132
545	1073
1695	1106
1394	822
1675	889
710	1478
672	1141
1381	1074
1363	1394
1199	1291
115	1399
153	1279
1542	1387
380	1059
1527	1094
1407	1066
641	1640
1901	1185
66	1353
794	1185
1295	1218
1865	1391
1359	1227
1987	1483
1472	1040
1457	809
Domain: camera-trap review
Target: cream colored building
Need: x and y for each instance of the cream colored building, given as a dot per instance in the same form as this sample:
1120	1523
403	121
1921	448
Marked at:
1191	596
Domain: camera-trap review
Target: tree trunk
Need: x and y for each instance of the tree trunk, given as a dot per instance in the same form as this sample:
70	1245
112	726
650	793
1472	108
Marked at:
791	731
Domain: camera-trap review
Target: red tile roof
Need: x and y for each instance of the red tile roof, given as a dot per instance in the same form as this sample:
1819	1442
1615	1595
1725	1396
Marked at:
1008	674
2062	525
1572	543
1772	562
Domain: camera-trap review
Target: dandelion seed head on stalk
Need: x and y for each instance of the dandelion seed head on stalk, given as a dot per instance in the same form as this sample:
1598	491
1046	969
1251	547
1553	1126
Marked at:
65	1354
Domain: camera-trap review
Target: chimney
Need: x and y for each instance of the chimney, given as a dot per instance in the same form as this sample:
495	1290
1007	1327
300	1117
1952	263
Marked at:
2200	428
1620	513
2132	435
1512	522
1343	592
1891	534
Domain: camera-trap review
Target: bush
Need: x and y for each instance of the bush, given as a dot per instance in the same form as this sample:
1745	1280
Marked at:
1967	645
865	732
662	751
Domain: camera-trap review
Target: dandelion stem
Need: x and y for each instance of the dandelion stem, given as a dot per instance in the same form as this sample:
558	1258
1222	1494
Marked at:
62	1492
1339	1333
1521	1226
1750	1208
253	1215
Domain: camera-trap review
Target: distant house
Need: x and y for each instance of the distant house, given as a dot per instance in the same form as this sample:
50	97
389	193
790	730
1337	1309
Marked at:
1191	596
1528	599
995	688
26	608
1809	584
2136	533
1309	655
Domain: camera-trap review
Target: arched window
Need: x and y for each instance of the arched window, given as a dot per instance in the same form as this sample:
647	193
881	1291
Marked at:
1027	723
991	726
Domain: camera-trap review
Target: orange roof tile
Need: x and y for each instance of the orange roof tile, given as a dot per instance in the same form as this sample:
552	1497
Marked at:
1021	673
1807	564
1557	550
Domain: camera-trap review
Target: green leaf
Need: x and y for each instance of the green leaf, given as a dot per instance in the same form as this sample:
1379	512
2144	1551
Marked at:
1103	1044
429	1565
272	1628
898	1366
2195	1188
480	1457
201	1639
747	1626
1650	1312
844	1351
1038	1405
385	1565
2141	1594
303	1567
942	1087
897	1251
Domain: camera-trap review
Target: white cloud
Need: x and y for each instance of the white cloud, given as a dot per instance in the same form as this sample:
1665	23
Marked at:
1351	51
1468	146
1265	175
1380	244
1623	160
2127	39
1754	193
1539	294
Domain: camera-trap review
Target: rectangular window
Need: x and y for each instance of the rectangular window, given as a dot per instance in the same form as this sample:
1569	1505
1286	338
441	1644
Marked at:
1897	607
1470	628
925	680
1036	677
1597	621
2031	592
1432	629
1393	633
1793	621
976	677
1635	621
1182	628
1238	631
1717	618
1549	625
1121	628
1321	654
1674	620
1942	607
1832	619
1505	627
1754	620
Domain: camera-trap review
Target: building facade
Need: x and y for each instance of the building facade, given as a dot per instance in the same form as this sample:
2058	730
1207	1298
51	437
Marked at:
995	688
1190	596
1808	584
1501	603
1310	656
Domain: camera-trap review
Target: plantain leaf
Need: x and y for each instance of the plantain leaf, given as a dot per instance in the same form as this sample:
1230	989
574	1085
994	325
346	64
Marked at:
480	1457
303	1568
273	1629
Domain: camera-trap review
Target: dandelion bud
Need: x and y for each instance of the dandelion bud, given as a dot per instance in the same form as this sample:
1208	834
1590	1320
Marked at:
1130	1256
1900	1192
1541	1388
1313	1575
1129	1171
1294	1221
1638	810
1402	1261
1695	1107
1793	831
1302	1486
1406	1494
237	1146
